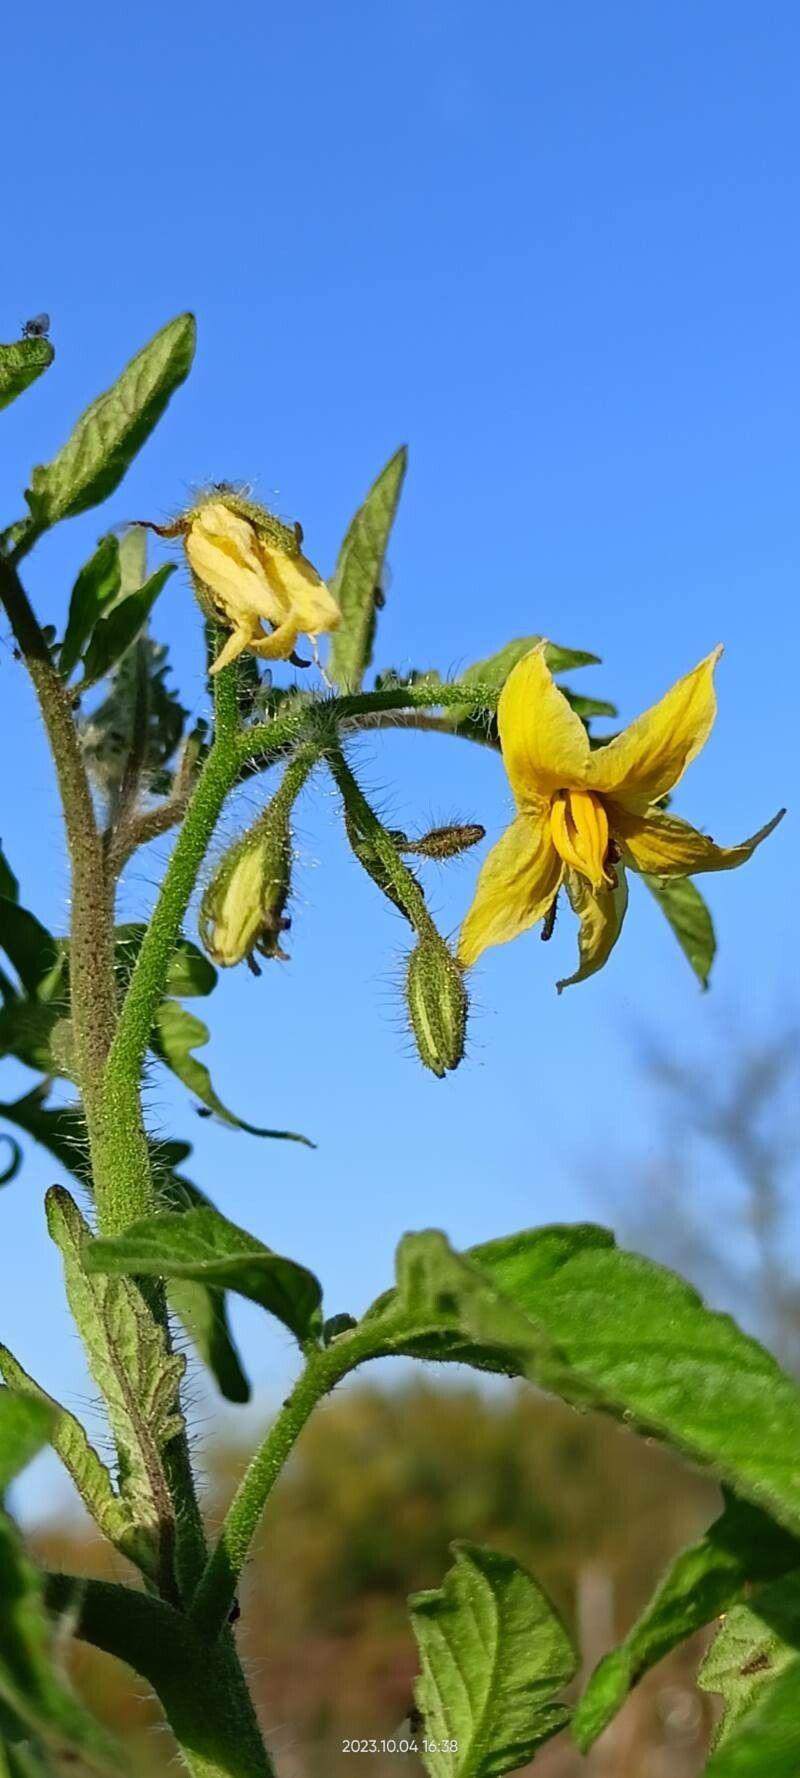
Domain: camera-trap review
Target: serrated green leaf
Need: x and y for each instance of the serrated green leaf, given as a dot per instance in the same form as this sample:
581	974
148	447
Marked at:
766	1743
356	579
110	731
204	1246
494	1655
611	1330
96	587
111	431
30	1685
680	900
755	1644
115	634
20	364
743	1545
24	1429
138	1376
176	1033
70	1442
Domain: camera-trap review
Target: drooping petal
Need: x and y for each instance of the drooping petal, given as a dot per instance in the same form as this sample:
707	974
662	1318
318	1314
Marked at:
665	846
601	913
515	887
650	756
545	745
221	550
302	592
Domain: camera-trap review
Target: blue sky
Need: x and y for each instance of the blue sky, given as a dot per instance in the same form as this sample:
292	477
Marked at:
554	249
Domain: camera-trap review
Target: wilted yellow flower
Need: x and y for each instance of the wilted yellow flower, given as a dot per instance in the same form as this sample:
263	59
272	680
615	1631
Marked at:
584	814
249	570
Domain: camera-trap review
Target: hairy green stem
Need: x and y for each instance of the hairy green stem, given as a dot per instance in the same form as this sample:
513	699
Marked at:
215	1595
201	1688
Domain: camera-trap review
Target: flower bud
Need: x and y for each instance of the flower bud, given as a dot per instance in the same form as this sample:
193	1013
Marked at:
242	910
249	569
437	1005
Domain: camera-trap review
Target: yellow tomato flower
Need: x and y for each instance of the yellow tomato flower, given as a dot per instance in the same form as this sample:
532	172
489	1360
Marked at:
249	570
584	813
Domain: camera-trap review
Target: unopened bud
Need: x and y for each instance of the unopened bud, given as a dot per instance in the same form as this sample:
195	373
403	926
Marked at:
242	910
437	1005
444	842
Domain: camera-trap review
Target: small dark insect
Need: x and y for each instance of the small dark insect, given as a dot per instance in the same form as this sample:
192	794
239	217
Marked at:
37	328
755	1665
298	532
416	1721
549	921
235	1612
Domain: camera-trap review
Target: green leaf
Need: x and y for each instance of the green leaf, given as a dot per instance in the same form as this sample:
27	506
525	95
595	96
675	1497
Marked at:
356	579
743	1545
29	946
59	1128
29	1031
176	1033
110	731
97	586
203	1312
20	364
494	1654
9	886
494	670
766	1743
14	1162
138	1377
680	900
755	1644
111	431
30	1686
70	1443
24	1429
114	635
610	1330
189	971
203	1246
588	707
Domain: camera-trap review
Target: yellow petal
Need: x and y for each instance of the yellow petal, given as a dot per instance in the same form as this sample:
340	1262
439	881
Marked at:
222	551
579	831
302	591
667	847
649	758
545	745
515	887
601	913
